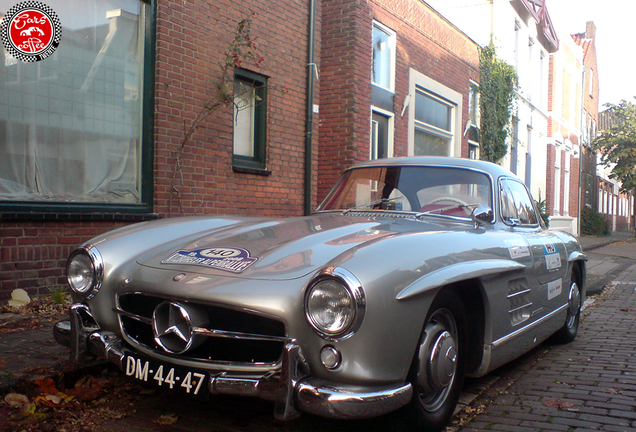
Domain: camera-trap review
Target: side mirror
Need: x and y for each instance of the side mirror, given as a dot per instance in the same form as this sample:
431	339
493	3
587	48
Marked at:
482	215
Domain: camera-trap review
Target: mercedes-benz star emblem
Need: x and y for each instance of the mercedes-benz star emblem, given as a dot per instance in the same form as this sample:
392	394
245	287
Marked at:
172	326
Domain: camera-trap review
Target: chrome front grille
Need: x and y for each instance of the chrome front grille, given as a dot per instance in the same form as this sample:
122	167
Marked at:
228	335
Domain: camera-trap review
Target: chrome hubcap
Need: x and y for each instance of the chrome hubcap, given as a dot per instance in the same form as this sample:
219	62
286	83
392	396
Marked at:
443	361
574	304
437	360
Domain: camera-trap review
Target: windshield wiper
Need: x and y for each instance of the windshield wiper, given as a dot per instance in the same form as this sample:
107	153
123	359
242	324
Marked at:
380	201
448	208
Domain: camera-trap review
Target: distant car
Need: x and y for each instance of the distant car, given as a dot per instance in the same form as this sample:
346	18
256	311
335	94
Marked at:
412	274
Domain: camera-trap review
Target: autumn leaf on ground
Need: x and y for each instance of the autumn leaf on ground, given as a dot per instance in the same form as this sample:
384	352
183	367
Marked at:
46	385
559	404
88	388
16	400
168	419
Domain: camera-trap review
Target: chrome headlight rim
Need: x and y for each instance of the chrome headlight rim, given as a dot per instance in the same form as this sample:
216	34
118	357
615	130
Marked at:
354	290
97	264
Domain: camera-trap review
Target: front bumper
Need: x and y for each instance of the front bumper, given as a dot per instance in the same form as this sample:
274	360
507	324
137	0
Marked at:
291	387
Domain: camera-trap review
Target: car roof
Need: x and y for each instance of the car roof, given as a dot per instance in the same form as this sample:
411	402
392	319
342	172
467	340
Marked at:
494	170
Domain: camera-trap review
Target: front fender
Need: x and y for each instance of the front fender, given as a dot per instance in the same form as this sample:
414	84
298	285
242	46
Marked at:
457	273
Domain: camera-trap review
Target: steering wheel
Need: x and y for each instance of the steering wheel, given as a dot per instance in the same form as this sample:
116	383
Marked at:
451	200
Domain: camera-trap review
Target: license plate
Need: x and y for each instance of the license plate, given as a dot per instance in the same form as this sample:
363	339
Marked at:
165	376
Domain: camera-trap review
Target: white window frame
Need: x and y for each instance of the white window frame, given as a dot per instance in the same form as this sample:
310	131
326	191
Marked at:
392	47
391	117
419	81
557	179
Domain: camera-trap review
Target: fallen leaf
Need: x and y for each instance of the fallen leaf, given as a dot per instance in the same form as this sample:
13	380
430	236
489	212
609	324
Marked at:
16	400
88	388
168	419
46	385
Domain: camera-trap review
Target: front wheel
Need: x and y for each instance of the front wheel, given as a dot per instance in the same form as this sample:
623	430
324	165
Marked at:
437	373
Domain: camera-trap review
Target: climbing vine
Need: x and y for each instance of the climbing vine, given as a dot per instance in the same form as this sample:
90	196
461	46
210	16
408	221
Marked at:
498	83
241	52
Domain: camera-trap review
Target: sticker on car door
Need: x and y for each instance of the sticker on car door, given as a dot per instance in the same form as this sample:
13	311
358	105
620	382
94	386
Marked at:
552	256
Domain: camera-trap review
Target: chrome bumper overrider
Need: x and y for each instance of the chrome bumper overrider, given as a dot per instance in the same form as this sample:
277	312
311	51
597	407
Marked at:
290	387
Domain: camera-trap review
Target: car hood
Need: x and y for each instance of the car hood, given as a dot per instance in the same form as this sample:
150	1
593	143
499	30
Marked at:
284	248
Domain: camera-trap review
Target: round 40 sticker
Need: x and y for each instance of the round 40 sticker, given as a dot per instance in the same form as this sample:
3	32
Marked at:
31	31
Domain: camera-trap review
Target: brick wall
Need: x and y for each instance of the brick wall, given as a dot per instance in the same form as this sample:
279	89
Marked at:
425	42
191	39
33	254
186	63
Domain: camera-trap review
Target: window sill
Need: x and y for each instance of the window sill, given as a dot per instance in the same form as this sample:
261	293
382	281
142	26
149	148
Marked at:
255	171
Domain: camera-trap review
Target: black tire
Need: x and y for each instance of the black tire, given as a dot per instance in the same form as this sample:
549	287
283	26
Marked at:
570	328
438	379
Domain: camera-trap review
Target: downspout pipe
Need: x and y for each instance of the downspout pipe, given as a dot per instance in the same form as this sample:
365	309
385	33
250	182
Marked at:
309	123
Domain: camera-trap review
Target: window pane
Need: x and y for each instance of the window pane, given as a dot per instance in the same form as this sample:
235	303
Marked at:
379	136
410	189
71	128
517	204
243	119
381	58
432	111
428	144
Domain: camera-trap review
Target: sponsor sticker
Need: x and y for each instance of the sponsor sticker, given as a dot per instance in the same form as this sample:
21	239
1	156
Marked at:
31	31
235	260
555	288
517	248
552	257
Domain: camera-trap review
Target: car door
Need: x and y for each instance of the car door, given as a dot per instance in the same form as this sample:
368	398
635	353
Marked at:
549	270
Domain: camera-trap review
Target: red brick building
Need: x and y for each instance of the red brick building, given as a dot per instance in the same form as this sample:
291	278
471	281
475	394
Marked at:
105	132
94	136
396	80
573	107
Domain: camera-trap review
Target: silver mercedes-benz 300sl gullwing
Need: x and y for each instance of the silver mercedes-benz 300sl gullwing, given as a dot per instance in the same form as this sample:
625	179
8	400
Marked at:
412	274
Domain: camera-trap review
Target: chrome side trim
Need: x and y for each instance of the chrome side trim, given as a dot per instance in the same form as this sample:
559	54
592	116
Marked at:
527	305
517	333
518	293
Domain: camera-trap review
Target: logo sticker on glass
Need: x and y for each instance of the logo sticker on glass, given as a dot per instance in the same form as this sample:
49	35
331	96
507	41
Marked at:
31	31
235	260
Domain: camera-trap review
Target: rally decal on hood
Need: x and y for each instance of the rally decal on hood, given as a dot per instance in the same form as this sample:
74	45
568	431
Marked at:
235	260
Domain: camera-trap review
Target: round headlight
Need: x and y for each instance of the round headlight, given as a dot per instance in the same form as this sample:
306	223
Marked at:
330	307
84	271
334	305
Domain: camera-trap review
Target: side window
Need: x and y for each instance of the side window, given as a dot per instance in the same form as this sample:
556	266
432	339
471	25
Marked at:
516	204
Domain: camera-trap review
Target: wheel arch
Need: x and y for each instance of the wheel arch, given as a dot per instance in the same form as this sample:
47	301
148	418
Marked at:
471	293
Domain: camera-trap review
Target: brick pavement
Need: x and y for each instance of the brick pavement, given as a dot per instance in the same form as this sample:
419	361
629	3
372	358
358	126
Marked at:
587	385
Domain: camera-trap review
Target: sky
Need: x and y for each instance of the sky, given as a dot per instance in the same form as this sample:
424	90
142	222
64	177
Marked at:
616	56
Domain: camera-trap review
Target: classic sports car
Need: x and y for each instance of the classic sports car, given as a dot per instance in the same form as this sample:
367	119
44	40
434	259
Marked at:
412	274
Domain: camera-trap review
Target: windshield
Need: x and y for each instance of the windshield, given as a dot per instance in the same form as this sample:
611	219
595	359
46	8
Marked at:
429	190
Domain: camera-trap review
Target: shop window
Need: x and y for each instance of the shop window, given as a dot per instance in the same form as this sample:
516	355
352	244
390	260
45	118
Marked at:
75	128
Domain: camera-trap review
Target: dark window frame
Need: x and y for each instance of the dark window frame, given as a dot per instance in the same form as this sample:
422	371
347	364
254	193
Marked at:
68	211
256	164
